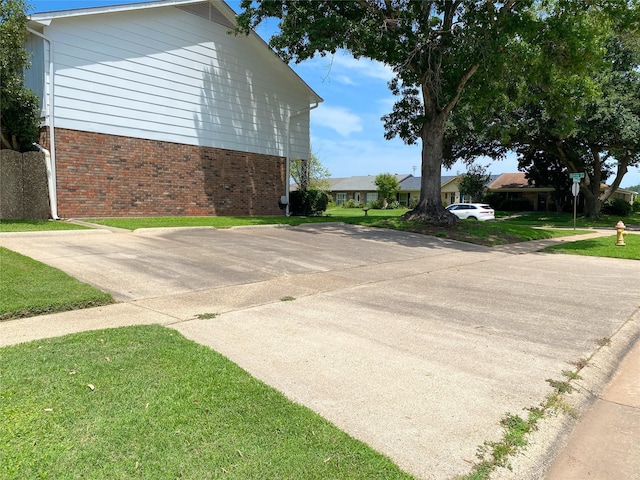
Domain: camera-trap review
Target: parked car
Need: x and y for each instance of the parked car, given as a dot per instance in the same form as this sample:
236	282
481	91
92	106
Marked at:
472	211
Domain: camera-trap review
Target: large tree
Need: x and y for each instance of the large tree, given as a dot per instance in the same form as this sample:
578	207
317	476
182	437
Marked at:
19	114
434	47
573	103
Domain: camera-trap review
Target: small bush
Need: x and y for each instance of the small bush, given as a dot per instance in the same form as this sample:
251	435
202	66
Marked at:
413	202
617	206
308	203
351	203
375	204
636	205
393	205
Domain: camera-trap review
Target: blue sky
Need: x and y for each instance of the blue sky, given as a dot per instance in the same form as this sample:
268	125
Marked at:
347	134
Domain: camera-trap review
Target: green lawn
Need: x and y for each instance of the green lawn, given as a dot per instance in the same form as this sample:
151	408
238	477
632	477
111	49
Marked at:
28	288
36	226
602	247
550	219
144	402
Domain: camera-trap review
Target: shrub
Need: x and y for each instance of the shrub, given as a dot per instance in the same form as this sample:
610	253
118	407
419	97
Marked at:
636	205
494	199
413	202
375	204
393	205
617	206
516	205
308	203
351	203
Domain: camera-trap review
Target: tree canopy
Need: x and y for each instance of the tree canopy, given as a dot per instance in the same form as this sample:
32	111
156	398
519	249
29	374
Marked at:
564	114
19	115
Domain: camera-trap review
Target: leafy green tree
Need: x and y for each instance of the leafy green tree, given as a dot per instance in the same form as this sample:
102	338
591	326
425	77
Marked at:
635	188
387	186
564	114
474	183
434	47
19	114
547	170
310	175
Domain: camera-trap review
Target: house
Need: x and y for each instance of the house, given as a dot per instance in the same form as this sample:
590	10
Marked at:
361	189
155	109
515	187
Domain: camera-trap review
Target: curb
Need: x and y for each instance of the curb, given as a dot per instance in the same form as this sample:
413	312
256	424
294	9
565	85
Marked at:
553	432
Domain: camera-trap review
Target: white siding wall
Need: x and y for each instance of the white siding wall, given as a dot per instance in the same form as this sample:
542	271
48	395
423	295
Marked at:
165	74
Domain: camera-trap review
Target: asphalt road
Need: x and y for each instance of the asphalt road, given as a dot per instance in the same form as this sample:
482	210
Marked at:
416	345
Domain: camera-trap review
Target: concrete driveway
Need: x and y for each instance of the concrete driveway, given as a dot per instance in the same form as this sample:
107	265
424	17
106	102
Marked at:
416	345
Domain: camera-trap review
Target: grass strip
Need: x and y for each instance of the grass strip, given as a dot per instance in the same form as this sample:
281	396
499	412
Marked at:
36	226
602	247
29	288
492	455
144	402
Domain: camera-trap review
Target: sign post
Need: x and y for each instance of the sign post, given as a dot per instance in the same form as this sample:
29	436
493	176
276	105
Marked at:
575	190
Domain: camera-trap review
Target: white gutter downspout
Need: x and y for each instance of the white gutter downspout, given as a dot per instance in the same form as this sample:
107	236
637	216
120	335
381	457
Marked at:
288	154
50	182
50	155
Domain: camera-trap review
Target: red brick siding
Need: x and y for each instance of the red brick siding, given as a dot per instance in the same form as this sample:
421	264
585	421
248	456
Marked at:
109	176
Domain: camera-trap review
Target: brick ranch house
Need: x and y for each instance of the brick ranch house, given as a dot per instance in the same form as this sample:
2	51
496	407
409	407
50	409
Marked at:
155	109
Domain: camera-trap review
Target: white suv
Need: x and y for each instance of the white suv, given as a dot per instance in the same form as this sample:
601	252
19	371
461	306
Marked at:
472	211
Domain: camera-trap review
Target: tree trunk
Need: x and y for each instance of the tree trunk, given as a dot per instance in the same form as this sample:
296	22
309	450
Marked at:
592	204
430	206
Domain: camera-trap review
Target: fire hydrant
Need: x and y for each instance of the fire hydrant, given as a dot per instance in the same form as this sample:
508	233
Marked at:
621	233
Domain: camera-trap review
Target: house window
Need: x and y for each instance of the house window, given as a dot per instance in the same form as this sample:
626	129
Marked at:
341	198
371	197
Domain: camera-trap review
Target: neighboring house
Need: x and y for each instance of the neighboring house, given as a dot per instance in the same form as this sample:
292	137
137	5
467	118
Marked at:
156	109
516	187
449	191
361	189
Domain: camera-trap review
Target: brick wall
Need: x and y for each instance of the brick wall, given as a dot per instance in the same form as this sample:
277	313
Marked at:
110	176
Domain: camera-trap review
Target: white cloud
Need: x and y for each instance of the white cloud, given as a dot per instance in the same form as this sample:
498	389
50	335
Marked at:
345	80
339	119
342	67
362	66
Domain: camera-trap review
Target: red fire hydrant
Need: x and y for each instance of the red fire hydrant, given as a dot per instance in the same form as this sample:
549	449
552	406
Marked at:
621	233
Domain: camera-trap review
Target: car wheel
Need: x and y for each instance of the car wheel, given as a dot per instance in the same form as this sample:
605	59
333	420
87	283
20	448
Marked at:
472	218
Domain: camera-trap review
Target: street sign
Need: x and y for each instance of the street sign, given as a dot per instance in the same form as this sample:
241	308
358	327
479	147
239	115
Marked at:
575	189
576	177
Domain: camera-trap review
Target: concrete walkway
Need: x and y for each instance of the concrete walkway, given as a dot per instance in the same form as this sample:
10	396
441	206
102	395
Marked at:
415	345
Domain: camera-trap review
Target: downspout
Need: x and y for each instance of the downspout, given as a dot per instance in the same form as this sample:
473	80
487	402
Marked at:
50	182
288	153
50	155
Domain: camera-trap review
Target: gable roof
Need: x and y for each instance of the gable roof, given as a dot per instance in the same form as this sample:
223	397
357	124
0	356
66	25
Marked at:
511	180
216	11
